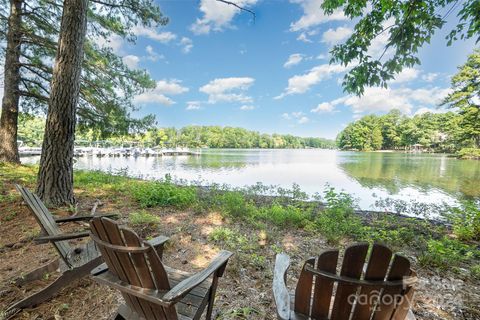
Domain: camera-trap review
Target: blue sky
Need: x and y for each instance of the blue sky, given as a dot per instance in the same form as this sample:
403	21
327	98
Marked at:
215	66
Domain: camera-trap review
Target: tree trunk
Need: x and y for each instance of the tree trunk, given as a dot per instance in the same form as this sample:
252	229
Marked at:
9	117
55	177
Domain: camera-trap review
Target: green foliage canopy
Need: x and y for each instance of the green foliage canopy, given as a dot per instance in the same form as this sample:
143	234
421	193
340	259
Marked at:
409	24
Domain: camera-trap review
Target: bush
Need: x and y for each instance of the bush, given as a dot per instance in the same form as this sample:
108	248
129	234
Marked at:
164	194
465	221
475	271
233	203
469	153
142	218
338	219
445	253
283	215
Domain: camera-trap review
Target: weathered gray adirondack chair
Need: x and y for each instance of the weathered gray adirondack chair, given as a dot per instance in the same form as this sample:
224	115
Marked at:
378	287
152	290
75	261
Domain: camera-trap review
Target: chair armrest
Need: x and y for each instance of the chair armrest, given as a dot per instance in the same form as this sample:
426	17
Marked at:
83	217
280	291
151	295
217	266
158	243
62	236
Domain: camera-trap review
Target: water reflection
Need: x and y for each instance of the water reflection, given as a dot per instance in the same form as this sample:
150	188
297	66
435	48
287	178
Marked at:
396	171
422	177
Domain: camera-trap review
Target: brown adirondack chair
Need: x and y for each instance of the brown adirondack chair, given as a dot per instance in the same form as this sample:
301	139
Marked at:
74	261
377	286
152	290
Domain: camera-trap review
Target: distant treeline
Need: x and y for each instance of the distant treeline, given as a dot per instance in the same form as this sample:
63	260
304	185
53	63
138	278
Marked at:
31	133
445	132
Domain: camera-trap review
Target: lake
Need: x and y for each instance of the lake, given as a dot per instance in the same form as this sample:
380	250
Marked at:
369	176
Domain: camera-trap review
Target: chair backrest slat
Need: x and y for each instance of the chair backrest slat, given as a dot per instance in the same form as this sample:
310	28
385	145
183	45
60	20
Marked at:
362	287
352	267
45	220
377	268
400	268
135	267
303	292
323	289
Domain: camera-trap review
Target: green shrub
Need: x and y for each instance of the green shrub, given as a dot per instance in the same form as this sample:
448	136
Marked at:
223	234
445	253
233	203
233	240
143	218
163	194
337	220
475	271
466	221
469	153
283	215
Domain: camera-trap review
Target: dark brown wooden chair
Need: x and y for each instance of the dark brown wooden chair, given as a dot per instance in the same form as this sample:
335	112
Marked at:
152	290
371	284
74	261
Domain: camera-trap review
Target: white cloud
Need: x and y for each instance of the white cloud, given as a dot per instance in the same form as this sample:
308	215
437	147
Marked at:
187	44
376	99
303	37
247	107
430	77
324	107
431	110
152	55
298	116
378	44
131	61
303	120
406	75
217	15
302	83
335	36
193	105
163	37
293	59
113	41
160	92
221	89
313	15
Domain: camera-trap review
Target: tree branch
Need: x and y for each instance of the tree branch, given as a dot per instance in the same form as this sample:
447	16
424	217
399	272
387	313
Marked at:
239	7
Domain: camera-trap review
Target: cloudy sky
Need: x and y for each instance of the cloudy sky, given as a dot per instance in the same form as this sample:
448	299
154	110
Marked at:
215	66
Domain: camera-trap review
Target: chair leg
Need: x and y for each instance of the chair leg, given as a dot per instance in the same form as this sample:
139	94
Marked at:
51	290
213	291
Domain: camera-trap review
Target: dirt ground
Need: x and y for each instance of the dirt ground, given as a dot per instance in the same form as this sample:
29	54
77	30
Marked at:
243	293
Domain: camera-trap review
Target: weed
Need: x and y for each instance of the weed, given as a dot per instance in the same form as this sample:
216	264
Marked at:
337	220
475	271
143	218
445	253
465	220
163	194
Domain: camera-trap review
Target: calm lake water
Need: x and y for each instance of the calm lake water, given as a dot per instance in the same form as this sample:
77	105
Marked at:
428	178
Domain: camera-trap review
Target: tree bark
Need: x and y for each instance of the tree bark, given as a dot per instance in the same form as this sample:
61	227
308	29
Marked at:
9	117
55	177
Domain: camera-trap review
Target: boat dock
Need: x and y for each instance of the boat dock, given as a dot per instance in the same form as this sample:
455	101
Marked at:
117	152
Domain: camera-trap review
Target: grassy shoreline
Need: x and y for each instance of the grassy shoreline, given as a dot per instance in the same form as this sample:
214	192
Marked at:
254	225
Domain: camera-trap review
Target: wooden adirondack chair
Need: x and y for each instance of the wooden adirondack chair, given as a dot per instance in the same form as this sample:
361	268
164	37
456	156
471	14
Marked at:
376	286
152	290
75	261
